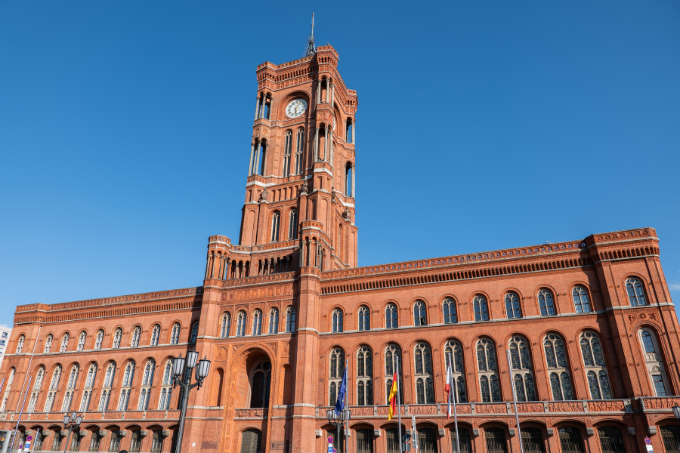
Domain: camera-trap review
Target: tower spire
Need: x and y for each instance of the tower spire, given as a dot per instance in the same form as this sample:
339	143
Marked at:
310	50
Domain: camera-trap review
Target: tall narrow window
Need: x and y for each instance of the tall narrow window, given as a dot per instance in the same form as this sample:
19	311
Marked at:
454	351
262	378
274	320
257	322
391	317
611	440
290	319
276	221
545	302
155	335
488	371
8	388
558	367
157	438
337	320
481	308
348	179
54	386
88	388
81	341
20	344
298	151
254	158
262	157
194	333
64	342
293	224
117	336
522	370
581	302
595	367
512	307
136	333
147	383
100	339
365	376
422	355
337	369
348	133
654	362
450	315
48	344
241	324
37	384
174	337
364	318
166	387
126	386
393	363
114	446
225	326
636	295
106	387
419	314
287	144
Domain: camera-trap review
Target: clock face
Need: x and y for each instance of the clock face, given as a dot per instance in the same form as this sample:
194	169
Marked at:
296	108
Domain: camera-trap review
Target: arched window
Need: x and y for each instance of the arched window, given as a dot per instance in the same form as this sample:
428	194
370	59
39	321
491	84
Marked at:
298	151
364	318
595	367
287	145
545	302
155	335
391	317
174	337
106	387
64	342
117	336
274	320
522	370
276	221
487	371
262	377
259	157
422	355
654	362
126	386
348	179
453	351
392	364
365	376
671	437
495	441
5	398
465	440
166	387
481	308
225	325
348	133
581	302
611	440
241	324
88	388
48	344
512	307
450	315
636	294
290	319
419	314
147	383
81	341
20	344
337	369
292	224
36	388
337	320
136	333
194	333
257	322
571	440
54	386
100	339
558	367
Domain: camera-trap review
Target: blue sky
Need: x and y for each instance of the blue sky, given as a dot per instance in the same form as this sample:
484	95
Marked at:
125	129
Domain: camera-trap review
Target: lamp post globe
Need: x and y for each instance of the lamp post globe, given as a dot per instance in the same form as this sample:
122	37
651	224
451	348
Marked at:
676	411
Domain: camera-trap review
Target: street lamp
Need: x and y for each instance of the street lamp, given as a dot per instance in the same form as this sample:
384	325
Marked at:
338	419
179	377
72	423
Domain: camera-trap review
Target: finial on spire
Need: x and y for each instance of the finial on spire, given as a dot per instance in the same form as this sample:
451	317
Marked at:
310	50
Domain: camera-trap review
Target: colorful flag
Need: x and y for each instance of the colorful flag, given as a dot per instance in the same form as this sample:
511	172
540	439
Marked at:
393	397
448	389
340	403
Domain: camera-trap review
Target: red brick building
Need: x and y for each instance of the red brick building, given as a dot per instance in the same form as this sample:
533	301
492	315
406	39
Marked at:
589	324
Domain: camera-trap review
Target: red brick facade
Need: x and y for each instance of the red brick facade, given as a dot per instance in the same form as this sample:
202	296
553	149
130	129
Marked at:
590	324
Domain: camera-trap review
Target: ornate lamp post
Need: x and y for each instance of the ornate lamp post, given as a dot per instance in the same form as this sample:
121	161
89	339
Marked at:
72	423
337	420
676	411
184	380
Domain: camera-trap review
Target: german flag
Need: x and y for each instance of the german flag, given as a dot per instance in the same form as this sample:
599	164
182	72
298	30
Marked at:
393	396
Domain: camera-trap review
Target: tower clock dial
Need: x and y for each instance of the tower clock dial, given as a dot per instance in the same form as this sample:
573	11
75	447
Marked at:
296	108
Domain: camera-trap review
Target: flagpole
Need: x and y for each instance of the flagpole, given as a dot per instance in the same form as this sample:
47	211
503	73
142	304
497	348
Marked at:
514	400
346	421
455	413
399	402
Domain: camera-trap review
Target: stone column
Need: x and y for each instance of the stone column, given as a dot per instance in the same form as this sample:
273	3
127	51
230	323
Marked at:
316	144
318	91
354	132
330	146
250	164
257	106
354	174
332	91
207	266
325	142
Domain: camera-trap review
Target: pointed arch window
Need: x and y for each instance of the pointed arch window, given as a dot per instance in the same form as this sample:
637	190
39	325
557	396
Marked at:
364	318
654	362
81	341
422	355
298	151
365	376
487	370
262	378
259	156
391	317
337	320
106	387
595	366
393	363
194	333
481	308
64	342
293	224
348	179
287	145
166	387
274	320
225	325
147	383
126	386
454	351
337	368
636	294
450	314
419	313
545	302
257	322
10	380
558	367
37	384
155	334
513	309
54	386
241	324
276	222
48	344
522	370
136	333
117	336
100	339
174	337
290	319
88	388
581	301
20	344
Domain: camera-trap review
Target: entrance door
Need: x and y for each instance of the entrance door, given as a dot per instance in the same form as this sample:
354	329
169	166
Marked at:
251	441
